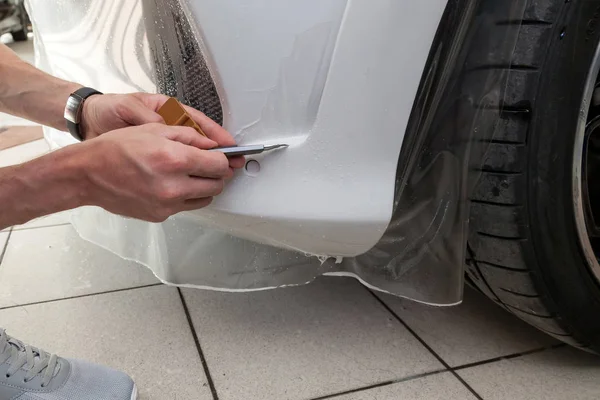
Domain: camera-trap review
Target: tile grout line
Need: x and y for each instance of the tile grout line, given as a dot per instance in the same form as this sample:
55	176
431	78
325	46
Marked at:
380	384
433	352
494	359
209	378
3	252
469	387
80	296
508	357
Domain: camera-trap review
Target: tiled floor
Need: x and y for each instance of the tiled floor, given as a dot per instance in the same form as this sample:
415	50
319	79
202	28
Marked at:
332	339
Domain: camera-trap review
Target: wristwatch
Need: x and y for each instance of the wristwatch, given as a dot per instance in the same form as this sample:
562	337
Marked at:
74	108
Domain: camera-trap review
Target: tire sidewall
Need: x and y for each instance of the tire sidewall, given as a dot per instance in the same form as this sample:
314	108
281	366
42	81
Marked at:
556	257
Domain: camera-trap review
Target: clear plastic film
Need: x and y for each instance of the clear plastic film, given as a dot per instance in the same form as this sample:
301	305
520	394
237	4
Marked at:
421	254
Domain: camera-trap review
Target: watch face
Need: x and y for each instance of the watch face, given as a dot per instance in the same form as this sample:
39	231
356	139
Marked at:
73	109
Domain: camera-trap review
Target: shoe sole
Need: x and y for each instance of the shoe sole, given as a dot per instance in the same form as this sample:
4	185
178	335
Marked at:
134	393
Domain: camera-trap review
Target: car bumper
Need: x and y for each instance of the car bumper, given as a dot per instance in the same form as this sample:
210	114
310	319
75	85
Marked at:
414	172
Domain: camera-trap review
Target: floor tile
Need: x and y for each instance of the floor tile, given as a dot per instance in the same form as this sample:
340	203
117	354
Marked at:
23	153
23	49
302	342
60	218
442	386
564	373
52	263
143	332
11	120
474	331
13	136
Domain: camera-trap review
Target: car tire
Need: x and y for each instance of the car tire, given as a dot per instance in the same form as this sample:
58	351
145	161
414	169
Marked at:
19	36
524	250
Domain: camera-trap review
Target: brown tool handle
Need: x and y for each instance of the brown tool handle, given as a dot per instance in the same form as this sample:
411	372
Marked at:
175	115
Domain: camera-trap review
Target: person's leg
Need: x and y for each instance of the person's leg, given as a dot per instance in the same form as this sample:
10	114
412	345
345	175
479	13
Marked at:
28	373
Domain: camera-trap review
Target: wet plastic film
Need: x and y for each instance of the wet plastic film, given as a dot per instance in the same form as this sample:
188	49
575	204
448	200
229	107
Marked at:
421	255
460	103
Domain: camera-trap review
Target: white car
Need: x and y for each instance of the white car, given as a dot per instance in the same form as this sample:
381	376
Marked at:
425	136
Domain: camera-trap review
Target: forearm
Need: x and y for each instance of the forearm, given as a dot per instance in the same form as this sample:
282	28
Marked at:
27	92
49	184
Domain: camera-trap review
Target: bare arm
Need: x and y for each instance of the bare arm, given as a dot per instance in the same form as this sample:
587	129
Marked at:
27	92
147	172
132	164
49	184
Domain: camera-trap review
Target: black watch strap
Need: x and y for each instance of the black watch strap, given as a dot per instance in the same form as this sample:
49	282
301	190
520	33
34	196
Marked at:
74	108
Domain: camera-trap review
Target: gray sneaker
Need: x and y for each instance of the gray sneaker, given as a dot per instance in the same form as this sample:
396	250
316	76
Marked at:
28	373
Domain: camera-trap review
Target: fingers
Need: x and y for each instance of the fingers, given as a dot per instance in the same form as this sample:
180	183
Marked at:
213	130
237	162
199	193
190	137
195	204
161	214
189	154
207	164
185	135
199	188
199	162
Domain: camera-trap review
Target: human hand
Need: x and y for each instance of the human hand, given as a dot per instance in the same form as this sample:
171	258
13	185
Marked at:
152	171
108	112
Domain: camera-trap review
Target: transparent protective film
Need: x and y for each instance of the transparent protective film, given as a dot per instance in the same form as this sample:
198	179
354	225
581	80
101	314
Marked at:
421	254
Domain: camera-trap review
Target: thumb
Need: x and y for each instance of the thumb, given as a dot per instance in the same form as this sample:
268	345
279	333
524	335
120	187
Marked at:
188	136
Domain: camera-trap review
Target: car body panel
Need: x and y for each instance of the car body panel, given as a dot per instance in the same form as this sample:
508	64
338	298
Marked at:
336	80
341	103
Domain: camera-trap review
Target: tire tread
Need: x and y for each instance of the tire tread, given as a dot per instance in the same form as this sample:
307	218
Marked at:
498	230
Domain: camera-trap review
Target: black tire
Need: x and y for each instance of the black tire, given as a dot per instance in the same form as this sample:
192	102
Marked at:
19	36
523	248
